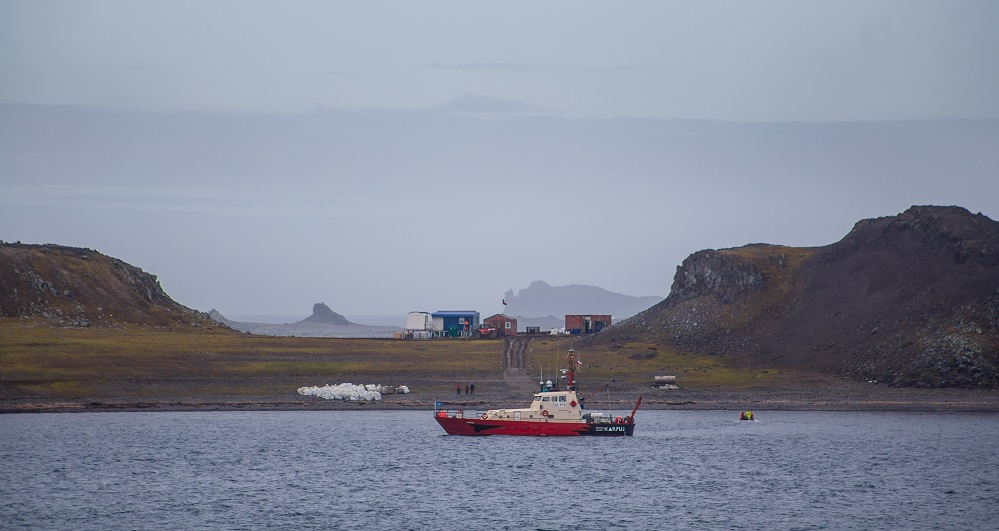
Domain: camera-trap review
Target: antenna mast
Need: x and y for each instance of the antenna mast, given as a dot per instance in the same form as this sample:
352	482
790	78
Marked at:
572	369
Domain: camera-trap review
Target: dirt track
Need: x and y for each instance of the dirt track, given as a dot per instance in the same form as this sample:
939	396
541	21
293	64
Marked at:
515	353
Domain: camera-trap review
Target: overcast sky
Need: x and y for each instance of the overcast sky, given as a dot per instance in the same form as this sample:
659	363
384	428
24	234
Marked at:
389	156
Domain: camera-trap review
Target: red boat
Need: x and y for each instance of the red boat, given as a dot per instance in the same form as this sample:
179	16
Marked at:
553	412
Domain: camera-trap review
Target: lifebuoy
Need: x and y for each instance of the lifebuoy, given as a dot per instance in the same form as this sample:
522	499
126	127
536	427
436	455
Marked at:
484	416
544	412
573	403
619	420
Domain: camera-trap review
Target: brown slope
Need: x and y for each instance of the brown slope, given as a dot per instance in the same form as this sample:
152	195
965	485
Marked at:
68	286
912	300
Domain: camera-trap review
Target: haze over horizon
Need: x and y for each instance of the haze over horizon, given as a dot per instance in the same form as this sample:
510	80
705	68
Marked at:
387	157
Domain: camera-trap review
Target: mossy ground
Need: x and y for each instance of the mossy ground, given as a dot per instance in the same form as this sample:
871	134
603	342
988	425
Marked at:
38	360
779	266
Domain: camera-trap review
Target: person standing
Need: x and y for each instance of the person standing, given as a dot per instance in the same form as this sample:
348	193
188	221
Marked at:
466	389
457	388
472	386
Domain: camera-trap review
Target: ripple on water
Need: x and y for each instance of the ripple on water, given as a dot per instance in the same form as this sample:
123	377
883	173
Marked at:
396	470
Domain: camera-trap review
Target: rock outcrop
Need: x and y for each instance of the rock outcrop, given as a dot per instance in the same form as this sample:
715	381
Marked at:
714	273
322	314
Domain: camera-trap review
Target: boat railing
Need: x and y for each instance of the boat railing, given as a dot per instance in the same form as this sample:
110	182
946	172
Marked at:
600	418
459	413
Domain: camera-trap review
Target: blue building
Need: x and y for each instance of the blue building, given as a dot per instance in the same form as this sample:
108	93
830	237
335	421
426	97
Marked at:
457	323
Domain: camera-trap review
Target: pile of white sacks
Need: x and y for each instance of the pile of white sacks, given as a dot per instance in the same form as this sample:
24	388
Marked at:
349	391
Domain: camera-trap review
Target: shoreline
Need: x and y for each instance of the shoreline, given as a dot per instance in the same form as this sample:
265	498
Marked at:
877	399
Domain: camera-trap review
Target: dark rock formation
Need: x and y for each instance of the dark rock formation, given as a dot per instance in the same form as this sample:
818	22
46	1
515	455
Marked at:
711	272
322	314
909	300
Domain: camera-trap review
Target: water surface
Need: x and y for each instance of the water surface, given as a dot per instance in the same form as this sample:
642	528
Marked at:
397	470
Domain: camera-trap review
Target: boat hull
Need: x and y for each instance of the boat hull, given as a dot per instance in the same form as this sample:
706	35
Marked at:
468	426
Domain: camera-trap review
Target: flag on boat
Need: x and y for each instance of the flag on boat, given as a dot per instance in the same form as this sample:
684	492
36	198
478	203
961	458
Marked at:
504	302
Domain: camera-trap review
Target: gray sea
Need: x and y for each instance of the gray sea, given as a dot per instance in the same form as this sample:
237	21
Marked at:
390	470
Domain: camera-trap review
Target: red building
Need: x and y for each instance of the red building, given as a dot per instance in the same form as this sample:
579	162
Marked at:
586	324
503	322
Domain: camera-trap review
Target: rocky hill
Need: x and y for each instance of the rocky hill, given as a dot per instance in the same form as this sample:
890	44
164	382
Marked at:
540	299
910	300
322	314
68	286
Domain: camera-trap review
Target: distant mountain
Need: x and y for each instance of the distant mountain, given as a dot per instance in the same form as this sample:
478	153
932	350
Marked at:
69	286
910	300
542	300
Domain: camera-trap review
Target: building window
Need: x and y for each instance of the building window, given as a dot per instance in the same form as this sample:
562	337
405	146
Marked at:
507	325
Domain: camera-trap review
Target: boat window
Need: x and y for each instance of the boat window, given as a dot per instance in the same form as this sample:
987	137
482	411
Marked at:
537	399
546	399
561	399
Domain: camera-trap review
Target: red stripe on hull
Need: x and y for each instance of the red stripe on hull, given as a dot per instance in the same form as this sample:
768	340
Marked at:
467	426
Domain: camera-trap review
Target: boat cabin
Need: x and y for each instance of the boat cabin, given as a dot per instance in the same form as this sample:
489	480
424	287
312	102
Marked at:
547	405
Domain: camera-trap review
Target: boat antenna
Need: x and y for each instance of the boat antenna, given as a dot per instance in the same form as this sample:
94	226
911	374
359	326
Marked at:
572	368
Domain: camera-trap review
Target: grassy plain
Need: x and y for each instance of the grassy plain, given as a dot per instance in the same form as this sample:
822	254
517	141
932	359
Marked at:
44	368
